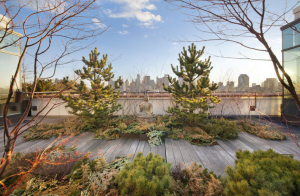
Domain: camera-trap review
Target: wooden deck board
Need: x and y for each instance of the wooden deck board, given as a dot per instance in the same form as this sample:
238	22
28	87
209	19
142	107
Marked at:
147	149
205	161
192	152
184	152
176	151
125	148
140	148
117	150
161	150
169	151
133	148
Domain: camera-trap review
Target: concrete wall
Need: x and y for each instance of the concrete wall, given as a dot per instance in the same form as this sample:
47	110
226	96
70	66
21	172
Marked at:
228	106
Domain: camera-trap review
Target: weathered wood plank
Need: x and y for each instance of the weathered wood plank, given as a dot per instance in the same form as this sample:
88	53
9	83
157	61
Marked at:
101	148
193	155
112	148
84	141
94	145
140	148
248	143
169	151
161	150
184	152
240	145
176	151
225	155
154	150
217	163
92	142
125	148
226	148
133	148
205	161
258	143
118	149
147	149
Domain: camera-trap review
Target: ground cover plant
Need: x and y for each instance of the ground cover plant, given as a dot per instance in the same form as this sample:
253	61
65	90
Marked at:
68	126
262	131
257	173
263	173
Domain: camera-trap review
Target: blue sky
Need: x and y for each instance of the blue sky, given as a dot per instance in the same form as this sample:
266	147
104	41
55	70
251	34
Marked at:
144	38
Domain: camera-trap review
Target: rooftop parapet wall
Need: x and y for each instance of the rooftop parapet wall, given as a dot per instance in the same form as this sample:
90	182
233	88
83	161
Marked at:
232	106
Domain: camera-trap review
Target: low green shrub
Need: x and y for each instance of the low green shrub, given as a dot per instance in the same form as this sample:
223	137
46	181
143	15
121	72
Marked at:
263	173
145	176
220	128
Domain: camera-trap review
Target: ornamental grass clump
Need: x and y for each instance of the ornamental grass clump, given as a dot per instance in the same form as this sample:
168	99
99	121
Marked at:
145	176
68	126
263	173
262	131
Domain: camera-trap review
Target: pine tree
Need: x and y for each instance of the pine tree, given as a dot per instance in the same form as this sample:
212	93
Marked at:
98	104
193	94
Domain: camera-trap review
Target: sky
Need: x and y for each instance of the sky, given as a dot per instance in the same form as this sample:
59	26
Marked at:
145	36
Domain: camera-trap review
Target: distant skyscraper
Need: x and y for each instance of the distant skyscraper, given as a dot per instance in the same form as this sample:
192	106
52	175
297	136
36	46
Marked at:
253	84
138	82
243	82
271	84
230	86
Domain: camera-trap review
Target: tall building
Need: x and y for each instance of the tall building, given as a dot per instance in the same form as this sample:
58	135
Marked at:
9	57
290	55
243	82
229	86
220	87
271	84
138	82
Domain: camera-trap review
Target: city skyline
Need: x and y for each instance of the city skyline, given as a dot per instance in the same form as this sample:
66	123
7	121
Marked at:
243	85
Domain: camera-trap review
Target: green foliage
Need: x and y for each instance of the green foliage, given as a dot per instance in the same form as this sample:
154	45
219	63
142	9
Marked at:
220	128
98	104
145	176
155	138
192	96
42	85
263	173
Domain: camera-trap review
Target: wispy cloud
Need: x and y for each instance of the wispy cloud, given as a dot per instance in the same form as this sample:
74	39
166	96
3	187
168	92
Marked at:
136	9
98	23
125	26
175	43
145	36
123	32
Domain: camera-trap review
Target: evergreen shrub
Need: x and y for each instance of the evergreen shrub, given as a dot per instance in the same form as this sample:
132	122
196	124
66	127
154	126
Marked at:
145	176
263	173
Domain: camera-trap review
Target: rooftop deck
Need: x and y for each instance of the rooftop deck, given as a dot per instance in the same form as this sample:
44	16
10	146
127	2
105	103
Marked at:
214	158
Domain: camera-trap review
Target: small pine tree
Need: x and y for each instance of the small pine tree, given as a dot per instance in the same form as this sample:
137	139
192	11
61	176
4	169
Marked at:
98	104
192	95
